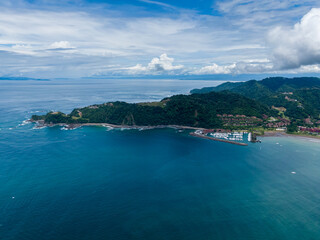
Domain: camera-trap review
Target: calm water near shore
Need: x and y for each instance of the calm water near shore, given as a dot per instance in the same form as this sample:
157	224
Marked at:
96	183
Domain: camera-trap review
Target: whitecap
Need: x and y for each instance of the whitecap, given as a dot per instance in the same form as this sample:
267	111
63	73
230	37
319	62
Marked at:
109	128
39	127
35	111
142	129
25	122
66	128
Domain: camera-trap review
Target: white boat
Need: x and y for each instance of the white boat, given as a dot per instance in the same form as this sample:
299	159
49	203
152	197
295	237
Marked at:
249	137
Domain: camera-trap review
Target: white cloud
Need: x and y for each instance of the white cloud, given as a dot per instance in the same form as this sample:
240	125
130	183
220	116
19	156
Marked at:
216	69
297	46
83	40
263	14
250	66
101	35
61	45
163	63
158	3
293	50
250	6
157	64
115	38
137	69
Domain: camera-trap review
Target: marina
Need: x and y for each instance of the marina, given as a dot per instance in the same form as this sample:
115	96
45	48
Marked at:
198	134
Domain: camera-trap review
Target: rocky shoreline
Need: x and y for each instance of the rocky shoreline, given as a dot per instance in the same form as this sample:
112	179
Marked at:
41	124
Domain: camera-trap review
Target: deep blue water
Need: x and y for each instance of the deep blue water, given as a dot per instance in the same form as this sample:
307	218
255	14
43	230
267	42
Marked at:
91	183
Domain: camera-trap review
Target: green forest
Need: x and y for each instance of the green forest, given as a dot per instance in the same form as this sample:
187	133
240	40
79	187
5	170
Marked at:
299	96
269	100
197	110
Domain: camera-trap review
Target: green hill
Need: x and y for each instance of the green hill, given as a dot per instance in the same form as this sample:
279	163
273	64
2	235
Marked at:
196	110
265	86
299	96
221	87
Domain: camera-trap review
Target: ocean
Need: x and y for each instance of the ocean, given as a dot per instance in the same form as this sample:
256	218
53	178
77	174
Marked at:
96	183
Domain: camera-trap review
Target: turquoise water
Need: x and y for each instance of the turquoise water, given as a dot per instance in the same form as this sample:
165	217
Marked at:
93	183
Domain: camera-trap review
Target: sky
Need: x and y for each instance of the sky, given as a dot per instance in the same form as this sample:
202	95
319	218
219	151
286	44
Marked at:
103	38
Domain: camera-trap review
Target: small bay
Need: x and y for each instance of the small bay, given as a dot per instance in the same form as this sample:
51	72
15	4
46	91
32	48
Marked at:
97	183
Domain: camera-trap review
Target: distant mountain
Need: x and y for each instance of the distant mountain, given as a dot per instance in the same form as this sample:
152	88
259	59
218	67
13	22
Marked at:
22	79
265	87
221	87
280	84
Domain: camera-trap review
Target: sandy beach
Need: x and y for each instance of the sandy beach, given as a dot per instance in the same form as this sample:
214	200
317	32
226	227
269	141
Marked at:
283	134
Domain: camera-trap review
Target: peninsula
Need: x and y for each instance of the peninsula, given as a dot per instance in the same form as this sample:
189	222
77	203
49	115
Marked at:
272	104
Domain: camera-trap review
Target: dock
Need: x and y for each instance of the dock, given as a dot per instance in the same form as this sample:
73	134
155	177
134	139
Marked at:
217	139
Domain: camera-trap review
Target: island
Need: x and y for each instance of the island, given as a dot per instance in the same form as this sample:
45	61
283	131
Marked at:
277	104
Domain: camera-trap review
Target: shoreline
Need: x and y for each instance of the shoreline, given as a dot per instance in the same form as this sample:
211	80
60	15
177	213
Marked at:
74	126
108	125
283	134
77	125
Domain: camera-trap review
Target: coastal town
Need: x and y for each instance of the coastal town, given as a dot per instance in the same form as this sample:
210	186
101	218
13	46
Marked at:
230	120
249	126
268	123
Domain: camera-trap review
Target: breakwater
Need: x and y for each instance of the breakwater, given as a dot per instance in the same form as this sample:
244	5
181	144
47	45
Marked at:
217	139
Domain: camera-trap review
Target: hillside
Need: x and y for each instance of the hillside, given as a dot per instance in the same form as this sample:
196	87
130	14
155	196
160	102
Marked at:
196	110
265	86
300	97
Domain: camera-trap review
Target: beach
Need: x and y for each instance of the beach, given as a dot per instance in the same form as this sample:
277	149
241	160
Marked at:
283	134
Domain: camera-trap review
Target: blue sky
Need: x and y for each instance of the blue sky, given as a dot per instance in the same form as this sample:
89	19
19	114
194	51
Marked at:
95	38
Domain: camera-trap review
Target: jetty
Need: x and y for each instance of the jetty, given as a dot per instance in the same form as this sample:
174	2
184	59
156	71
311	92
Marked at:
217	139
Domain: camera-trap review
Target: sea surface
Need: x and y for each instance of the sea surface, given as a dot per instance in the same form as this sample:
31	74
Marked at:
97	183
